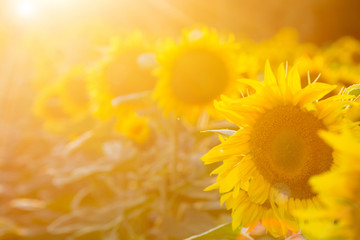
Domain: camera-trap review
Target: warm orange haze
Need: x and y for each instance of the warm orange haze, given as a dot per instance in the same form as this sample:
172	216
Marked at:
179	119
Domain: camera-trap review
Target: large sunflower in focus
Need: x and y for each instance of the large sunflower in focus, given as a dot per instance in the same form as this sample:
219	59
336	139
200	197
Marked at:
339	191
125	69
195	72
277	149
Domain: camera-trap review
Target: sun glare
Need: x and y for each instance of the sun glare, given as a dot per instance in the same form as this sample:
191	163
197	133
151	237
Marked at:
118	116
25	9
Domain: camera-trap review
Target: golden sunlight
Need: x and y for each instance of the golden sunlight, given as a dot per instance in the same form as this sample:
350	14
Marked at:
25	9
118	119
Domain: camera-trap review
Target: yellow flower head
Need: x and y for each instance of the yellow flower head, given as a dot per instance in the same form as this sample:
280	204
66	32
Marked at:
311	69
134	127
342	61
277	149
343	75
354	112
195	72
346	50
73	91
49	107
126	69
67	98
48	104
64	103
339	191
283	46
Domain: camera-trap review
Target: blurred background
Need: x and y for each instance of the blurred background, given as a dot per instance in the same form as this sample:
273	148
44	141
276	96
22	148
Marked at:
318	21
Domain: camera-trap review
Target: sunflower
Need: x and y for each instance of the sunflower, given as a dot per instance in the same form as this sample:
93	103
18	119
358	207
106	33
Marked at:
316	67
125	69
354	112
195	72
342	61
311	69
64	105
339	216
73	93
283	46
346	51
134	127
277	148
48	106
65	99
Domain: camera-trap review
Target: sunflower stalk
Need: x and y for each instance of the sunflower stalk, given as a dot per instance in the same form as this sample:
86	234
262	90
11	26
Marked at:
175	139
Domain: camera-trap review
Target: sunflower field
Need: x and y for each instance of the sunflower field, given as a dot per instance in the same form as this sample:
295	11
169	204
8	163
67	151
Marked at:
157	120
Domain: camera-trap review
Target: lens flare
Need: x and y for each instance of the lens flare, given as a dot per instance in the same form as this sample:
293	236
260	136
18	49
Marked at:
25	9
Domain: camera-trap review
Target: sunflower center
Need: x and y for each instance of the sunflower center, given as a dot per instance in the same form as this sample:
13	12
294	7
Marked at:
287	150
77	91
53	107
286	145
199	76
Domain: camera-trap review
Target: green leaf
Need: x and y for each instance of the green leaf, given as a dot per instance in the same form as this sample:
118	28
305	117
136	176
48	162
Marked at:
353	90
223	231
